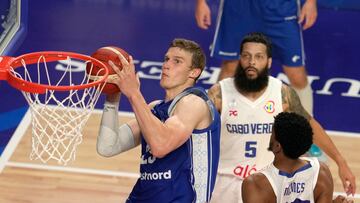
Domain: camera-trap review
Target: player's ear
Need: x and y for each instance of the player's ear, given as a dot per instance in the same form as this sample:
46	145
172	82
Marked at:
194	73
277	147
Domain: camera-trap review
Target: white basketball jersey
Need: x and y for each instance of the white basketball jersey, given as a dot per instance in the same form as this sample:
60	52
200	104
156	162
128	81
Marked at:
246	128
297	187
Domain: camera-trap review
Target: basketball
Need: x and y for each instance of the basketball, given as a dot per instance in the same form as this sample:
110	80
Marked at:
106	54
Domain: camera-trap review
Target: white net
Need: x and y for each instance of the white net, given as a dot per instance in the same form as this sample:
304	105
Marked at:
58	117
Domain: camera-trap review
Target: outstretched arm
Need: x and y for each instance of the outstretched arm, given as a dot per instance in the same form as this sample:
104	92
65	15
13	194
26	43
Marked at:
291	103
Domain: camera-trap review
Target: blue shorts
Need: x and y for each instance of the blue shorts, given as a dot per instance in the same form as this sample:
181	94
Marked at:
277	19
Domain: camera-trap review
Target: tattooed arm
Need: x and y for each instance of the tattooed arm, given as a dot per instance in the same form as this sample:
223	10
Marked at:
215	96
291	103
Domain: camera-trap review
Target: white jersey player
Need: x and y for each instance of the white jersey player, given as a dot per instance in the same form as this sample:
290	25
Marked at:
248	103
246	128
290	179
294	187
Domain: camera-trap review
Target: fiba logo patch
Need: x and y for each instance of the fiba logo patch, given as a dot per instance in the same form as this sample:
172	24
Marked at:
269	107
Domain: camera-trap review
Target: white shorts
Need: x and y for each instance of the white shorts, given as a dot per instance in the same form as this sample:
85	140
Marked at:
227	189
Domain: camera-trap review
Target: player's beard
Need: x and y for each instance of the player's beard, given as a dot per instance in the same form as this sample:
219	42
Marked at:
243	83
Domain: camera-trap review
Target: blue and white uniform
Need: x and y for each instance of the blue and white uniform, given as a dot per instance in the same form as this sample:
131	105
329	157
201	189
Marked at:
296	187
186	174
277	19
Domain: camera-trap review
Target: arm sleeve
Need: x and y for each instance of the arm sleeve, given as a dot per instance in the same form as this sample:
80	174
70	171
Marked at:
113	139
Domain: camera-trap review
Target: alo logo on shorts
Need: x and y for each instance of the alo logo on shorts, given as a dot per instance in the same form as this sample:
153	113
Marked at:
270	106
244	171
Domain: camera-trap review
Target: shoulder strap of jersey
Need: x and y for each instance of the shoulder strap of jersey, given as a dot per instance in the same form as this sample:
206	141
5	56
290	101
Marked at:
316	165
198	91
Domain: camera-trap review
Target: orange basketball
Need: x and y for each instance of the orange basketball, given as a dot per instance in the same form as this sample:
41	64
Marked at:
106	54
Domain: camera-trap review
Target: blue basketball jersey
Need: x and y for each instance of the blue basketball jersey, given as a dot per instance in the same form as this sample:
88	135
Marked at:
186	174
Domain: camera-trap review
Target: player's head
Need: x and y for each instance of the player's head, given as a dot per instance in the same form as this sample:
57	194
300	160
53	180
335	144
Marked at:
252	73
257	37
183	64
291	134
198	58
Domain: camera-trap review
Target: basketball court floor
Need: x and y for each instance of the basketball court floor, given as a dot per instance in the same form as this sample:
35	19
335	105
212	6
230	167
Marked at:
96	179
144	28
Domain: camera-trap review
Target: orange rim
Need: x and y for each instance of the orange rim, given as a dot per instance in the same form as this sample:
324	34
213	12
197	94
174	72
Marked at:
33	58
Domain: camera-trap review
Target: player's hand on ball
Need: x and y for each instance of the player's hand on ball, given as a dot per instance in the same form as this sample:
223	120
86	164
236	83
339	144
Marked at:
127	80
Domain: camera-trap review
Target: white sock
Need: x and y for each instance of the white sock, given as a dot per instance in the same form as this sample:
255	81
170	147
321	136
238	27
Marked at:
306	98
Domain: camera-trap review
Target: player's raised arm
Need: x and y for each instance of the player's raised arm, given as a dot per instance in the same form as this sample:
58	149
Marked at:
114	138
175	132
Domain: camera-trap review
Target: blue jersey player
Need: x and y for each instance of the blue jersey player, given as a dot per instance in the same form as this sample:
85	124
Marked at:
179	136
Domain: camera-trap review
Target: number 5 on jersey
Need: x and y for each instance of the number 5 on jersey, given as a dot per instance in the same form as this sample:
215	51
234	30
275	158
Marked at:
250	149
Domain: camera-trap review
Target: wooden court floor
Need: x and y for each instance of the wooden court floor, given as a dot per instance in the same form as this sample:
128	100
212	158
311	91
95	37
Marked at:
95	179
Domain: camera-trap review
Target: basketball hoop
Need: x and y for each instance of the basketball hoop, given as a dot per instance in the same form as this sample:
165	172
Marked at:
60	96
